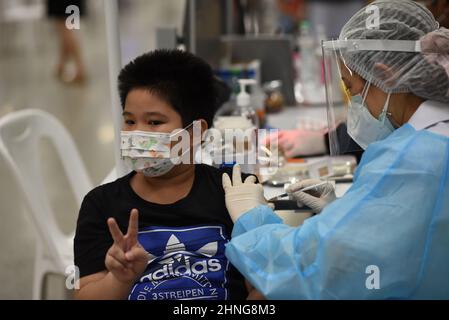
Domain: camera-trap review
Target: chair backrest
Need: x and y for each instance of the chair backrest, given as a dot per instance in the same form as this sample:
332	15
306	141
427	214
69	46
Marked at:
20	134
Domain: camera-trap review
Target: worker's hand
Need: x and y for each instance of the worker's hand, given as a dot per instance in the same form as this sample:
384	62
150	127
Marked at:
241	196
126	259
316	198
300	142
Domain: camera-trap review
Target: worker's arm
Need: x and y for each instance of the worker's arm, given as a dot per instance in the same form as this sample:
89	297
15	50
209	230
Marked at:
278	260
355	249
267	252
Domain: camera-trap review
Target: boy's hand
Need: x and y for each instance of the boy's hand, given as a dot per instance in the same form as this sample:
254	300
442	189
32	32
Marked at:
126	259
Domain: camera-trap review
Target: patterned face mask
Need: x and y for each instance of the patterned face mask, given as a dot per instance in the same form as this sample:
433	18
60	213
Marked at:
147	152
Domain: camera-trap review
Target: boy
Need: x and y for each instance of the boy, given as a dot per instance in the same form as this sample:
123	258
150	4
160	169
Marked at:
174	216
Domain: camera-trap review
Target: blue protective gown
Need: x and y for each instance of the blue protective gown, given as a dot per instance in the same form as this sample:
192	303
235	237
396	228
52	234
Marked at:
386	238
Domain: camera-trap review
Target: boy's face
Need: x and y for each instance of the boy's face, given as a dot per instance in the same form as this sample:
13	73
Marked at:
145	111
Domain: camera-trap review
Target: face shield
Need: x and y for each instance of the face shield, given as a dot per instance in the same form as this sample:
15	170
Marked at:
348	78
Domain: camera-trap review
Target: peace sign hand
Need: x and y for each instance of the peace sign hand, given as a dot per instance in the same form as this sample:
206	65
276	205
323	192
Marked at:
126	259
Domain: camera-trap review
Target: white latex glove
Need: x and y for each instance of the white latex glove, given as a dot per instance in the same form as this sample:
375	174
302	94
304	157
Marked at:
240	197
316	198
300	142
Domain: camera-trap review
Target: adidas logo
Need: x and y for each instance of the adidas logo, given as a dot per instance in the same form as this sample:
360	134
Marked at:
176	261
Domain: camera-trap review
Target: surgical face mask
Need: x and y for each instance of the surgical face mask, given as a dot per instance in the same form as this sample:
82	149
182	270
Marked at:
362	126
148	152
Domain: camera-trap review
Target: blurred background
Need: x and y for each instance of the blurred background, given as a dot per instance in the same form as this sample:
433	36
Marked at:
71	75
29	54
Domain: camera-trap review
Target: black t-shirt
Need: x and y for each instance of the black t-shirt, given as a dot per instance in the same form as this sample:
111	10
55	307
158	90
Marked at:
185	240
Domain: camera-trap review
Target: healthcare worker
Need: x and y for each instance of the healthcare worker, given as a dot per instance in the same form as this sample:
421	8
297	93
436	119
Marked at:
302	142
388	236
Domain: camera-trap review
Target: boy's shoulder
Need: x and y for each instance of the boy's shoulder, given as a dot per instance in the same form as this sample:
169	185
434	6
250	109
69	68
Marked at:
110	189
210	169
218	172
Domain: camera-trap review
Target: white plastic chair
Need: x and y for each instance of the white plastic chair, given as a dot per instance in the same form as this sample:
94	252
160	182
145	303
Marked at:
20	133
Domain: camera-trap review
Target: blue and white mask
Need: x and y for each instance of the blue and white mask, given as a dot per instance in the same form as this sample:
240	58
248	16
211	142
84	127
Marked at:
362	126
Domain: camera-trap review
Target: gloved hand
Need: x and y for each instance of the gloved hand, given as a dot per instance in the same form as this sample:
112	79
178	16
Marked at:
316	198
241	197
300	142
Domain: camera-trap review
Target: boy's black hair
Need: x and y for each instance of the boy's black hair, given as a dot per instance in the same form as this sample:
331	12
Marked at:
183	80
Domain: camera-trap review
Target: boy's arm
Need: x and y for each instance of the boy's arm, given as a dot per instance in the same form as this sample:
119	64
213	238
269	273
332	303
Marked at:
102	286
253	294
125	261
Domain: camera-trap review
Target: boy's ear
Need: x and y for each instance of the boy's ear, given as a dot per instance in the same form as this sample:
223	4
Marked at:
204	125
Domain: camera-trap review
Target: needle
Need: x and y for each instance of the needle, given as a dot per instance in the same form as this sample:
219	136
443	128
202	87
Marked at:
301	190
